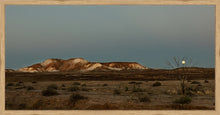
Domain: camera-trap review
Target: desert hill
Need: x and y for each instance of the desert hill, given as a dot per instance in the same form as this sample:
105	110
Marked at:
79	64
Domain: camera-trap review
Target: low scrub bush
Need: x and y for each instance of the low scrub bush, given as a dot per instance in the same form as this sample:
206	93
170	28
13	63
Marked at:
84	85
52	86
126	88
76	97
49	92
156	84
34	82
183	100
30	88
20	82
10	84
73	88
206	81
105	84
137	89
117	92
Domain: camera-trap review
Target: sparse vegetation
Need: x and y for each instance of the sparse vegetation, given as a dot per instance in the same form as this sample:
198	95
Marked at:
180	64
10	84
206	81
84	85
126	88
117	92
52	86
137	89
63	85
156	84
183	100
20	82
34	82
127	96
73	88
76	97
30	88
49	92
105	84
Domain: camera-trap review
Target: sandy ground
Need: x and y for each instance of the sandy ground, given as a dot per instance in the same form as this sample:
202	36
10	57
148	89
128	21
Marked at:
103	95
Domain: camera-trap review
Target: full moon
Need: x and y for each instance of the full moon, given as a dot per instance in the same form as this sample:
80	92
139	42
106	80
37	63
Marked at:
183	62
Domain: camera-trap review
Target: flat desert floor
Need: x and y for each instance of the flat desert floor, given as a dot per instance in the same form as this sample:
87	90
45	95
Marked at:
108	95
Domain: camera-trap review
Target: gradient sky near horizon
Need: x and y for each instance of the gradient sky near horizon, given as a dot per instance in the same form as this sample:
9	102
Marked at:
149	35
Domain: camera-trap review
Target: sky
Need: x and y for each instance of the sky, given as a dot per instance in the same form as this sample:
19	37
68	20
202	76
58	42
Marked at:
149	35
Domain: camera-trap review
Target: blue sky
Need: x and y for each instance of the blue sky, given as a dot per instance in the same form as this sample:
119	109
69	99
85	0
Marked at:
149	35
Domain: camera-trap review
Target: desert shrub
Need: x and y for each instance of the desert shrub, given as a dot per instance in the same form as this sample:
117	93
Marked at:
52	86
189	91
10	84
144	98
137	89
76	97
183	100
105	84
156	84
30	88
34	82
195	82
63	85
20	82
117	92
49	92
76	83
84	85
85	89
206	81
126	88
73	88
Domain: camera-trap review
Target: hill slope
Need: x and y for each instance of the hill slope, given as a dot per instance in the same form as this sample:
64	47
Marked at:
80	64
